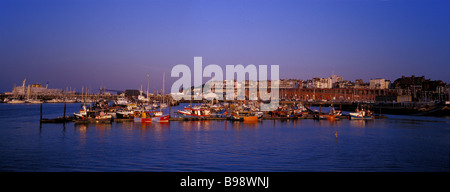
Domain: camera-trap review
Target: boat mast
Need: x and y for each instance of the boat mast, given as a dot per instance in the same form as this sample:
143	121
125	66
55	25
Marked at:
164	78
147	87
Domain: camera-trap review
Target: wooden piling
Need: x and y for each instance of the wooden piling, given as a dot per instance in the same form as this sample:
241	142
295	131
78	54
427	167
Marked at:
64	117
41	112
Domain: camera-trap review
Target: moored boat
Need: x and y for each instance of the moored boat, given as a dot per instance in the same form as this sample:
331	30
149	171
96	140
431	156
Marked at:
251	118
94	117
362	114
146	116
56	100
34	101
125	114
332	114
16	101
82	113
195	112
245	116
161	119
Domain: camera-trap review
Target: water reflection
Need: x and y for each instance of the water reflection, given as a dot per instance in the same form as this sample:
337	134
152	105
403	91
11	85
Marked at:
102	127
238	125
358	123
330	122
195	125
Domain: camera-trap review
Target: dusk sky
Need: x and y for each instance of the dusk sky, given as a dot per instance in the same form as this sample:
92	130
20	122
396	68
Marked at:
116	43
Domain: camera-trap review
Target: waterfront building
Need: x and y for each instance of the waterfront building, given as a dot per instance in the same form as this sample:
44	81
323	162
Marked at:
289	83
335	80
359	83
379	83
322	83
335	94
34	90
421	89
345	84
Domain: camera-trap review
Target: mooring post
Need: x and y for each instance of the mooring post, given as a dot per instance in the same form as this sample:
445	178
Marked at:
41	112
64	117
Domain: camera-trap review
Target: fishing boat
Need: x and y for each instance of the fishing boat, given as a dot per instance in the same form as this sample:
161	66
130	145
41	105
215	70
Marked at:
362	114
300	110
146	116
251	118
195	112
245	116
332	114
125	114
94	117
82	113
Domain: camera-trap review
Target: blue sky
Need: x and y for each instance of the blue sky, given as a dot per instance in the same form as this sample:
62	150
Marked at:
116	43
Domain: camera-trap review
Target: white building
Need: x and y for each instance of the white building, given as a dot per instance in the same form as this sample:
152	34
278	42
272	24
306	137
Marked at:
336	79
34	90
379	83
322	83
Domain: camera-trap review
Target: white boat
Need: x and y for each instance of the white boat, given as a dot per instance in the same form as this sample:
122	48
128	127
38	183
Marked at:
70	100
16	101
94	117
122	101
34	101
163	106
124	114
195	112
55	101
81	113
362	115
143	99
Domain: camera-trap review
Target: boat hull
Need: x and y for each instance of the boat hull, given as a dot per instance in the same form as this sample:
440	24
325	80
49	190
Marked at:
251	118
92	120
142	120
16	102
362	117
329	117
161	119
187	114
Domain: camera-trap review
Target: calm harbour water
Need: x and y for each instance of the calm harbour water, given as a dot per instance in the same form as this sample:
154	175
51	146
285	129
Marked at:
398	143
